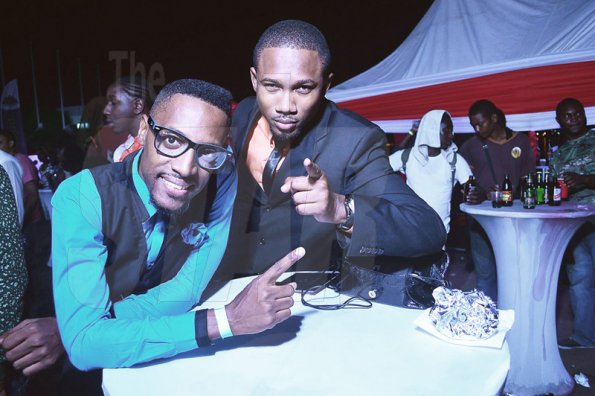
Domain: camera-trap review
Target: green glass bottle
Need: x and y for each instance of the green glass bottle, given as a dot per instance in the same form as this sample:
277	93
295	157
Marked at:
529	201
539	190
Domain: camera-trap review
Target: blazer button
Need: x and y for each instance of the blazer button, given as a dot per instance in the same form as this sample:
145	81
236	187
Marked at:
261	241
268	209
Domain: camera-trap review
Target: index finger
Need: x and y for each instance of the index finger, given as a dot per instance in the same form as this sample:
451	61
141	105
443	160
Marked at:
14	332
13	337
18	327
271	275
313	170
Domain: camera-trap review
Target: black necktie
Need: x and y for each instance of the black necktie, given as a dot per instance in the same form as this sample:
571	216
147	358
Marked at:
268	173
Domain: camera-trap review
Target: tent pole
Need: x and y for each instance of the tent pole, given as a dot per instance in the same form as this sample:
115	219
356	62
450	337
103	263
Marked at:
99	93
34	80
60	89
81	81
2	69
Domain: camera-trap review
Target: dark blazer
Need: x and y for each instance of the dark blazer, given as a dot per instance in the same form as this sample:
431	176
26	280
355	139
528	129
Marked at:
390	219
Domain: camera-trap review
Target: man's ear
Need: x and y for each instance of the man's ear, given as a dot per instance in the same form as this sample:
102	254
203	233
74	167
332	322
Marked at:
494	118
143	129
138	106
253	78
327	82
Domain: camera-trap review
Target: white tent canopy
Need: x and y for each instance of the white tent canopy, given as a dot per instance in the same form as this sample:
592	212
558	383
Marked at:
525	55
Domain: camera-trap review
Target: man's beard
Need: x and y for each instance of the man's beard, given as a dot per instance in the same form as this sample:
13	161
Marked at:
284	139
169	212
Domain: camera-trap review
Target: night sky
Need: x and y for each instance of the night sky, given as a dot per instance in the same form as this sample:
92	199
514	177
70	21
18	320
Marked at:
212	41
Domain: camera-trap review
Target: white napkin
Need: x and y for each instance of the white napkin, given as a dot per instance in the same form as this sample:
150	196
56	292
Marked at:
506	319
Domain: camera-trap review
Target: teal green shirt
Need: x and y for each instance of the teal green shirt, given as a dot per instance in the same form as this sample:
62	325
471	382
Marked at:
149	326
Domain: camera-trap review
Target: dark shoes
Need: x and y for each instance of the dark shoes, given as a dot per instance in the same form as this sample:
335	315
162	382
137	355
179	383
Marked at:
569	343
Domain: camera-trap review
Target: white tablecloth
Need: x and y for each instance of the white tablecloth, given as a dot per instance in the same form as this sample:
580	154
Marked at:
377	351
529	245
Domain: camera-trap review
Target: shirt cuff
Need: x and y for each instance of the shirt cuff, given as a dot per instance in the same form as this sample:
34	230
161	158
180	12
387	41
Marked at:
201	332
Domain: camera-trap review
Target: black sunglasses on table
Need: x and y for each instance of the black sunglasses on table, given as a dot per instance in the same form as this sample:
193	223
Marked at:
171	143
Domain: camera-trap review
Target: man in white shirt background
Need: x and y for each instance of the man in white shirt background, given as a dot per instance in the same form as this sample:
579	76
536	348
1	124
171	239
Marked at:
432	166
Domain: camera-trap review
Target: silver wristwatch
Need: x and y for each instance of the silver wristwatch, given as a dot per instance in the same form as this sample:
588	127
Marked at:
349	210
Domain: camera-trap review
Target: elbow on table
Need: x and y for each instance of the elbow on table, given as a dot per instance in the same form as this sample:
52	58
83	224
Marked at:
438	237
429	234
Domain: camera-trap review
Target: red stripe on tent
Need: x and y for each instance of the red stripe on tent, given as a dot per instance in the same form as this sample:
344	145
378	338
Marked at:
529	90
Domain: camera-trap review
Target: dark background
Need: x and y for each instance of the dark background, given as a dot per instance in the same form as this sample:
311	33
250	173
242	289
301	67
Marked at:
207	40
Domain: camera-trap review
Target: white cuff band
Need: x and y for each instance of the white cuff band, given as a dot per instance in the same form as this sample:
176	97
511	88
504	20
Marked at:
223	323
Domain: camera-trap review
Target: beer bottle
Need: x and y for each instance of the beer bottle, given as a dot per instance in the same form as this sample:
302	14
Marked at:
470	186
530	193
522	184
507	191
555	192
539	190
546	188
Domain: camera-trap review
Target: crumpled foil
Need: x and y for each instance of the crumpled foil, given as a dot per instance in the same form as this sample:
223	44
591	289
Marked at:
582	380
464	315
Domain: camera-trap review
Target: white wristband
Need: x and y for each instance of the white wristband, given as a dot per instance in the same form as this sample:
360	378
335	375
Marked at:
223	323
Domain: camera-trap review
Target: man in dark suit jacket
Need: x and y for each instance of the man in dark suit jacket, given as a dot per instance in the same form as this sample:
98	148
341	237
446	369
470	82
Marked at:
333	190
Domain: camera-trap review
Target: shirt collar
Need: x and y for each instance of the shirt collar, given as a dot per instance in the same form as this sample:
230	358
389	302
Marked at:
141	186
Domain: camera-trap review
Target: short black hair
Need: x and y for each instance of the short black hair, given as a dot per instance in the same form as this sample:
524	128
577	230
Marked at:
567	102
9	135
203	90
294	34
487	108
135	87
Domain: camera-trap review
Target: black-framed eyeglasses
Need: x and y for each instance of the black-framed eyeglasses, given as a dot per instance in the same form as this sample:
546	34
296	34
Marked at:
171	143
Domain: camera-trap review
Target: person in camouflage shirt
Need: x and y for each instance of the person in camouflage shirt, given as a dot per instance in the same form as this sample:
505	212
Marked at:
575	160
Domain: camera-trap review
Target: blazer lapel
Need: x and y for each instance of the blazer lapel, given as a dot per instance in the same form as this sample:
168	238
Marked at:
239	143
320	129
240	146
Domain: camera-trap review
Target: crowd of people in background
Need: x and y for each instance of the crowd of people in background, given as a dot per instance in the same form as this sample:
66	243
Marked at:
272	219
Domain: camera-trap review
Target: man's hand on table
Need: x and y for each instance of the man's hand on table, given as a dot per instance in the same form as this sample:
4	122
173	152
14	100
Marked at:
312	195
33	345
262	304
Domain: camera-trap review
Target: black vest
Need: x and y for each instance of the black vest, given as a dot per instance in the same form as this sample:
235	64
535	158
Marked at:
122	214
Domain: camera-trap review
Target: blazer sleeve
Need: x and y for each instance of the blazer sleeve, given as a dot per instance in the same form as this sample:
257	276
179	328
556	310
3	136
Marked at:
389	219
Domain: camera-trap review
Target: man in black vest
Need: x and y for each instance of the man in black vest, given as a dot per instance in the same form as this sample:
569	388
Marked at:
135	243
311	174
